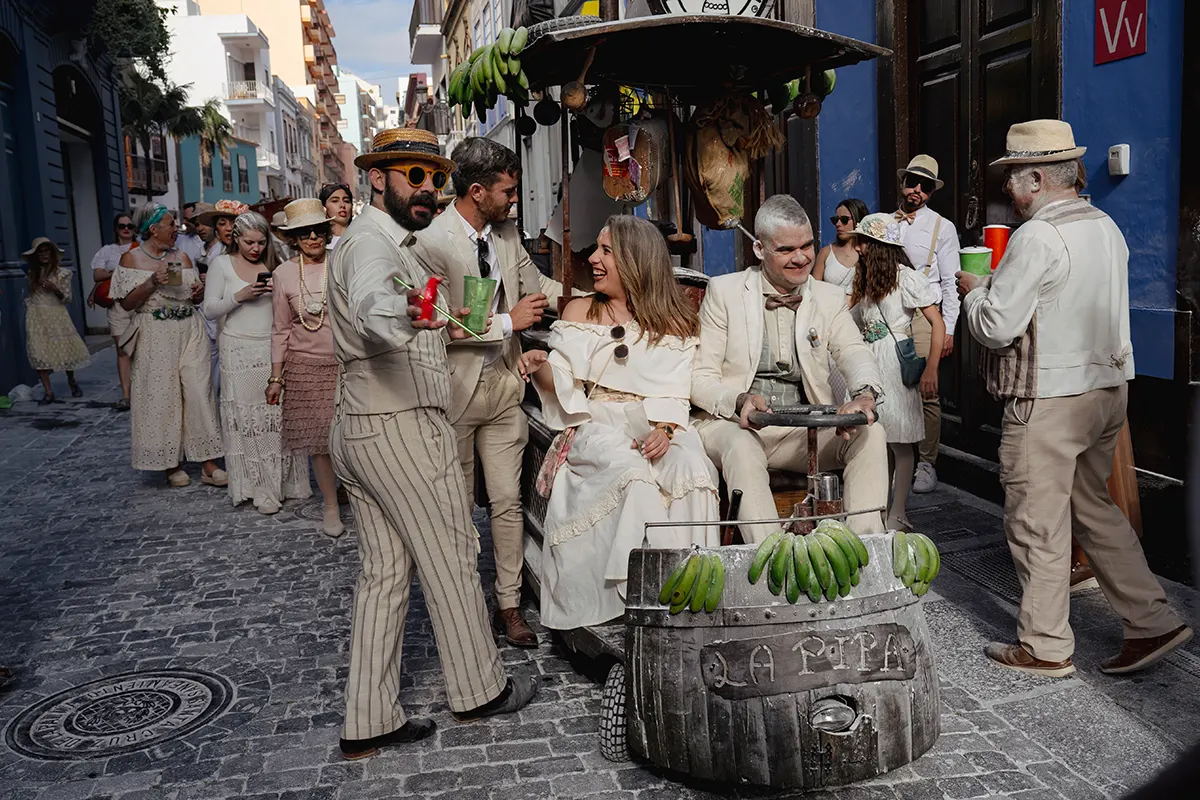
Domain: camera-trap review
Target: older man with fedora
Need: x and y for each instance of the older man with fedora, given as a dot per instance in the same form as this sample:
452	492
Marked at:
1054	318
397	454
931	243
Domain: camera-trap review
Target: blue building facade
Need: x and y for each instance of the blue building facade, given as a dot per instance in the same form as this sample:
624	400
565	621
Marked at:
62	173
233	176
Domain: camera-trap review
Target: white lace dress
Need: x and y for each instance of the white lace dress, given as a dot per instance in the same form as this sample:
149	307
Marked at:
258	468
843	276
900	414
174	410
606	491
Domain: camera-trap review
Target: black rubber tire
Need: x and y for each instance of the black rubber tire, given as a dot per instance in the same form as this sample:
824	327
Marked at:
540	29
612	716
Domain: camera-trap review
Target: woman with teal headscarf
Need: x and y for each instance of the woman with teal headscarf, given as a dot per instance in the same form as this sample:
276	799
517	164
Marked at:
171	394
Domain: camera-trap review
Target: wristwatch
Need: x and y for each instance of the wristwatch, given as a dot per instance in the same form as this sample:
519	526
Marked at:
865	390
666	428
273	379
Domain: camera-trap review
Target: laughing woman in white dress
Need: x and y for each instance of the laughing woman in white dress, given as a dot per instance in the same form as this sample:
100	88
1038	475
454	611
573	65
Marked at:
836	264
252	429
885	294
619	377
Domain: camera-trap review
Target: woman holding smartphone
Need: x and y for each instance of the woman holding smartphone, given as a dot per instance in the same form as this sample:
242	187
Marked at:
238	299
171	395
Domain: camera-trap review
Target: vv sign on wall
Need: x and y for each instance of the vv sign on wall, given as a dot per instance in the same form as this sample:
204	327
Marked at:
1120	29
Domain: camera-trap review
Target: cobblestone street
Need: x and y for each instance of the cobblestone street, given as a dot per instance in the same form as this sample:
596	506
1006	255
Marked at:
106	571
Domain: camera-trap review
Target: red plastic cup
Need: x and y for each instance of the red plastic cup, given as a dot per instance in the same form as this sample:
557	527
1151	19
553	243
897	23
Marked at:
996	237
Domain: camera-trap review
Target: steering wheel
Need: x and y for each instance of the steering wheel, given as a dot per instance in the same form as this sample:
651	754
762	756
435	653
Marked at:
807	417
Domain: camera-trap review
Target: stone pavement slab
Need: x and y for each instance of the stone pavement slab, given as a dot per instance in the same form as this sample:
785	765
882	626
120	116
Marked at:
106	572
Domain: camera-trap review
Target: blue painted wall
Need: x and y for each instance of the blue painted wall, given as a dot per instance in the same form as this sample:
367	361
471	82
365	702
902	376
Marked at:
848	129
1136	101
189	166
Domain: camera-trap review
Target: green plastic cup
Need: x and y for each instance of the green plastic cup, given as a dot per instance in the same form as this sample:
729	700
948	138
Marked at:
477	296
976	260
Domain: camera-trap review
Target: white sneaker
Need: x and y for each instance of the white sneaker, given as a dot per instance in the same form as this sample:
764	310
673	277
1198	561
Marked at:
925	480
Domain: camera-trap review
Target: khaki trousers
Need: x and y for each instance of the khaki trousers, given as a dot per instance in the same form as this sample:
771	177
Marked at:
1055	459
494	424
744	456
402	475
922	332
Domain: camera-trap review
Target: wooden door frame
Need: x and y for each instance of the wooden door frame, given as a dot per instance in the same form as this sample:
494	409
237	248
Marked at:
893	26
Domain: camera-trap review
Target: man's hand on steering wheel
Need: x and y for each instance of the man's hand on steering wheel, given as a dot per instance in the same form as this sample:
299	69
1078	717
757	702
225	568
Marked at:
863	403
746	403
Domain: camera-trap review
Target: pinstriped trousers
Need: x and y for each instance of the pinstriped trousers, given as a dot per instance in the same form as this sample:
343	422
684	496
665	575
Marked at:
406	488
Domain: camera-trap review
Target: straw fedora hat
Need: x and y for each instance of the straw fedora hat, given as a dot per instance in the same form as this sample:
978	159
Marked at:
278	219
881	227
304	213
1040	141
404	144
38	242
924	167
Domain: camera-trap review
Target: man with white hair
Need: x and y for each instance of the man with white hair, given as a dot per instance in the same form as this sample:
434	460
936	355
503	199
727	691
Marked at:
1054	318
766	337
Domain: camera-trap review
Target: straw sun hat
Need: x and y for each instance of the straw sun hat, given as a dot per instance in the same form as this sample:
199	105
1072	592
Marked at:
223	208
881	227
29	254
404	144
1040	141
304	213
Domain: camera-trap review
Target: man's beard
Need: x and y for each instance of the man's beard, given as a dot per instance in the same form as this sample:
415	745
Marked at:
911	205
401	208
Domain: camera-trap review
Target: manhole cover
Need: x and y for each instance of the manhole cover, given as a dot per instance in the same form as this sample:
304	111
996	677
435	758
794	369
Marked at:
315	510
120	714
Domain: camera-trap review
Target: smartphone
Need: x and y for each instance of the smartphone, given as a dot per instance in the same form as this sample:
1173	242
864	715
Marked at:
263	277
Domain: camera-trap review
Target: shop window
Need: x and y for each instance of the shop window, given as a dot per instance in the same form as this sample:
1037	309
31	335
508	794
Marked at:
243	175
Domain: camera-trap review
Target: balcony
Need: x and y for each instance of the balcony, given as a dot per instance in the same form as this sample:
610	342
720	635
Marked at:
293	161
425	31
249	91
136	168
267	159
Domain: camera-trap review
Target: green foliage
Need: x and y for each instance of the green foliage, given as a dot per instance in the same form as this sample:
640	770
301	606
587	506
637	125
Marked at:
135	30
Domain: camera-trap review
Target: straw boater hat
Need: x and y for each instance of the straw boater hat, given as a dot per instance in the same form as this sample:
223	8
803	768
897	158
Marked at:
223	208
404	144
38	242
303	213
1041	141
881	227
923	167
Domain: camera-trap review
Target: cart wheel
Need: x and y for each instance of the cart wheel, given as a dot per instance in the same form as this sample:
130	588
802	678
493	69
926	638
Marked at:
612	716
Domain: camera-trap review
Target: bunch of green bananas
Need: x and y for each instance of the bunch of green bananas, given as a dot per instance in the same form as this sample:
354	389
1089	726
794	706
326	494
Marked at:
781	95
826	561
491	71
915	561
696	584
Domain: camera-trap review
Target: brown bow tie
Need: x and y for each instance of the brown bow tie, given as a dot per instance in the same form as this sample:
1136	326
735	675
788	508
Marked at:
791	301
909	218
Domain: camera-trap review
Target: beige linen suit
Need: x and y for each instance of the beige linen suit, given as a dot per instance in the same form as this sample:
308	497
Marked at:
485	398
396	453
731	336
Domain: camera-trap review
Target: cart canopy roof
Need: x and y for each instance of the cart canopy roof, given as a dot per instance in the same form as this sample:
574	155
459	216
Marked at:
690	54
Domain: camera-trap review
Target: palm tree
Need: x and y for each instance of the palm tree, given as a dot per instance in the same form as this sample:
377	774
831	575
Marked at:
216	136
149	108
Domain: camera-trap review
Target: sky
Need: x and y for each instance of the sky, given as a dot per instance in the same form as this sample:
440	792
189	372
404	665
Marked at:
372	40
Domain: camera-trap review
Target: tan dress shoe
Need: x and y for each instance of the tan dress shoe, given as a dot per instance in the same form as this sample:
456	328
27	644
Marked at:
1016	657
509	623
1137	654
1083	579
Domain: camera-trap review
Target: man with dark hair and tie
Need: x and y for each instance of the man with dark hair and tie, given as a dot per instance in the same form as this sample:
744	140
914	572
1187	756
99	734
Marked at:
931	243
474	237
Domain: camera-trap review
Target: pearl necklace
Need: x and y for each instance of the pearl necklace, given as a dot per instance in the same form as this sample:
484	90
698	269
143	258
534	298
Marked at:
311	304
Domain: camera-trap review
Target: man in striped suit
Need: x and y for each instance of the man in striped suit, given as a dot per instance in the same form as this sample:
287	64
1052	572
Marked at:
396	452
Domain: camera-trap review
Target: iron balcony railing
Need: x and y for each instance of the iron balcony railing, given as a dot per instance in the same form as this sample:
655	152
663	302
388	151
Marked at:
249	90
139	166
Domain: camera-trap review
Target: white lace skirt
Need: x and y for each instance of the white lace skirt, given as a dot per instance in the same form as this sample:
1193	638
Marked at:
602	497
254	458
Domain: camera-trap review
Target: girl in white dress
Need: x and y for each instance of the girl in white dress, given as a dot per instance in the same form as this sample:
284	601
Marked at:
258	468
885	294
836	264
619	376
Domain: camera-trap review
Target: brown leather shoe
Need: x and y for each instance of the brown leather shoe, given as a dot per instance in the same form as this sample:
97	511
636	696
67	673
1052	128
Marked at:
1016	657
509	623
1083	579
1138	654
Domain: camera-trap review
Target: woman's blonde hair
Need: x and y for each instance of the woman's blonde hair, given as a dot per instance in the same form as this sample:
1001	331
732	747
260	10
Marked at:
253	221
652	294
